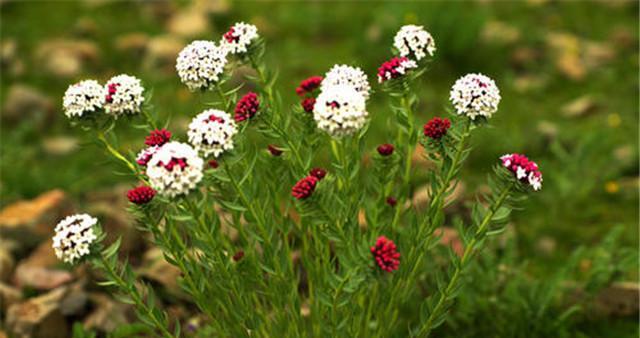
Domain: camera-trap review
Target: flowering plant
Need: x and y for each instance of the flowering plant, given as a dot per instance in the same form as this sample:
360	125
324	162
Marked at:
335	250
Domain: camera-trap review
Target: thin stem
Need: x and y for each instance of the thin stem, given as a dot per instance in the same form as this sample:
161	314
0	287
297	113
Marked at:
115	152
135	297
149	119
223	96
468	253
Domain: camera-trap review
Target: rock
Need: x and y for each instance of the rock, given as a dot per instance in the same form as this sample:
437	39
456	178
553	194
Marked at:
622	37
524	57
419	158
624	153
8	296
10	63
620	299
546	246
162	52
527	83
38	317
450	238
212	7
581	106
111	206
6	264
38	270
135	43
189	23
156	268
548	129
76	301
66	58
108	314
29	221
500	32
60	145
85	27
566	51
41	278
24	102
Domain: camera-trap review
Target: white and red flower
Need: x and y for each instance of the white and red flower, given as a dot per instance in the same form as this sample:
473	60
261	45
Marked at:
73	237
200	64
475	95
239	37
395	68
347	76
212	131
84	97
123	94
340	110
414	42
174	169
525	170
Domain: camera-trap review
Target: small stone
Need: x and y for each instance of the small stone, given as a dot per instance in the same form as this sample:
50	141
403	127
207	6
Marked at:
24	102
10	63
548	129
162	52
135	43
156	268
189	23
38	317
500	32
450	238
6	264
546	246
8	296
76	301
527	83
108	314
579	107
41	278
66	58
29	221
60	145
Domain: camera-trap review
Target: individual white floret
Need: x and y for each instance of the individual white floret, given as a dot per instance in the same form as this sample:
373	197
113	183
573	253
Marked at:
200	64
475	95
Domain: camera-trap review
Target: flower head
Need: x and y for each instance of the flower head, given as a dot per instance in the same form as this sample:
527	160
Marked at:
308	103
318	173
395	68
82	98
392	201
238	38
213	164
475	95
73	237
305	187
158	137
212	131
523	169
386	254
275	151
123	95
414	41
200	64
309	85
436	128
247	107
174	169
347	76
141	195
385	149
340	110
145	155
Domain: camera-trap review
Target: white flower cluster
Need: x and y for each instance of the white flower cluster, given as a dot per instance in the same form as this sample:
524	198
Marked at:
174	169
212	131
73	237
82	98
340	110
412	39
123	95
239	37
399	69
145	155
347	75
200	64
475	95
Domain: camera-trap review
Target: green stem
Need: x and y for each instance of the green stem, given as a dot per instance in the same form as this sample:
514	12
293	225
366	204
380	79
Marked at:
223	96
135	297
150	120
468	253
115	152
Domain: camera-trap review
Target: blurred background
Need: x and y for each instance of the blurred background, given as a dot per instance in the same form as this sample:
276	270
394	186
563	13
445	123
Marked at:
567	72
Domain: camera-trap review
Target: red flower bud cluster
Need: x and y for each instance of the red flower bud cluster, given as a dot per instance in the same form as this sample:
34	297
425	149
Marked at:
306	90
436	128
386	254
247	107
141	195
157	137
305	187
385	149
